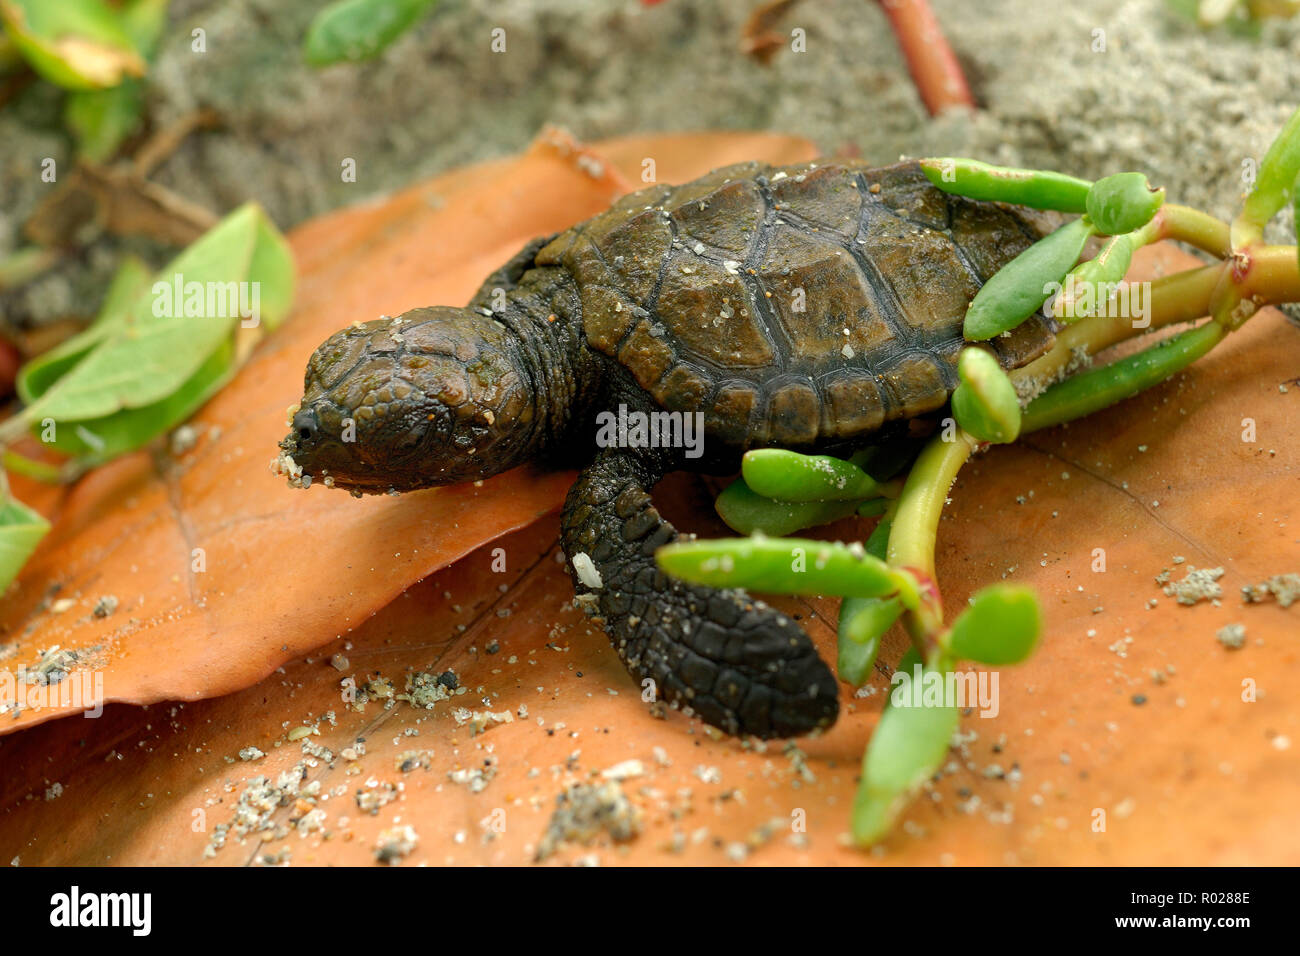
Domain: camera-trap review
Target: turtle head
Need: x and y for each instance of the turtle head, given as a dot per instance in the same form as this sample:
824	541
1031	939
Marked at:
433	397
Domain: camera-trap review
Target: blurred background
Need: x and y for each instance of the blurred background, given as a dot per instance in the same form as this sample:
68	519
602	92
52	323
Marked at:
230	110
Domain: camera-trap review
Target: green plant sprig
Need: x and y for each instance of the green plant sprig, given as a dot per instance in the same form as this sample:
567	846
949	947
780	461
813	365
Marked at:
357	30
146	363
891	578
98	53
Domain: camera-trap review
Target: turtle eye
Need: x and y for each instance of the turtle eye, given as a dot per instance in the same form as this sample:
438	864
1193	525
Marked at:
411	439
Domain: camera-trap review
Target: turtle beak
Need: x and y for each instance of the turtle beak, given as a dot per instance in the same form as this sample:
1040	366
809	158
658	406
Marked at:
295	459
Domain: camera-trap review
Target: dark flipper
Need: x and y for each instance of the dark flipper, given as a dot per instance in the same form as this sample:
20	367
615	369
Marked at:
737	663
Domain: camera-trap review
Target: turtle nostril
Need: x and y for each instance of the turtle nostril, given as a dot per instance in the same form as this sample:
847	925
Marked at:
306	424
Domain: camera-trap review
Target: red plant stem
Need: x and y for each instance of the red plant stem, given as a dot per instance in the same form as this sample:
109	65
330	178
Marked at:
934	67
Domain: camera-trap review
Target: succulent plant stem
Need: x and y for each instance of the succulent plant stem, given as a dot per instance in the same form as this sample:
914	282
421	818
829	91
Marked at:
915	529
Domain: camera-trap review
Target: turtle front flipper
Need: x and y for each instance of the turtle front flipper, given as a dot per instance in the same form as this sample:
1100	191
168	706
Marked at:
733	661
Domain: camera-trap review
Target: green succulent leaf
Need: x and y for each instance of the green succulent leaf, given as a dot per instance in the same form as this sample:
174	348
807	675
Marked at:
985	403
1020	287
907	747
782	566
1001	626
1123	203
790	476
1040	189
1096	388
878	542
747	512
862	624
353	30
1093	283
864	621
21	530
75	44
1278	174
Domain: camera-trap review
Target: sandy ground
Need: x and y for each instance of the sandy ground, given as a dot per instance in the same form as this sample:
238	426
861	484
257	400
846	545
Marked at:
1089	87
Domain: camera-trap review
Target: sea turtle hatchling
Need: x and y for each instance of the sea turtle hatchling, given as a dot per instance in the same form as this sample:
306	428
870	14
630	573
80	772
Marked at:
804	307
